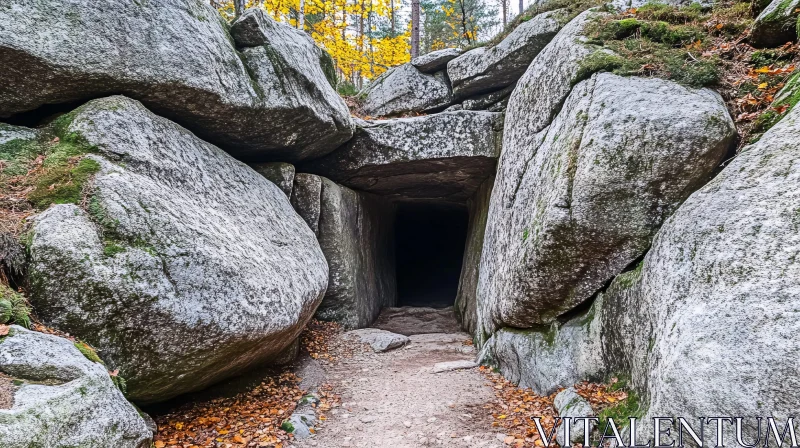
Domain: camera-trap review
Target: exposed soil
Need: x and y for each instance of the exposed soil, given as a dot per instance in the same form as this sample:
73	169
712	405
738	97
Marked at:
393	400
7	390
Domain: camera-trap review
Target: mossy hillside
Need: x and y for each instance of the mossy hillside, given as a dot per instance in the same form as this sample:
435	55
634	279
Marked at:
664	41
784	102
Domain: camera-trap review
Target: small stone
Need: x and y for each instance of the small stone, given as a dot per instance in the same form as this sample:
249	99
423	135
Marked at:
431	420
407	424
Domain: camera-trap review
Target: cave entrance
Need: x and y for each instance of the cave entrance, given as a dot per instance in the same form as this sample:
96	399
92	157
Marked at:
429	250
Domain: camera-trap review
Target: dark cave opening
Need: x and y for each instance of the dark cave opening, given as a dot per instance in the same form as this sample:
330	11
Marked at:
429	248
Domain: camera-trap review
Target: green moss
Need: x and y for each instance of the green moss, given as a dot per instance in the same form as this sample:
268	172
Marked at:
621	412
663	41
627	279
14	308
63	184
287	426
88	352
110	248
599	61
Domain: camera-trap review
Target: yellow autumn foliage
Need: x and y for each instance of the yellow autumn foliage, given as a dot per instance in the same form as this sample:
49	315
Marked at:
344	28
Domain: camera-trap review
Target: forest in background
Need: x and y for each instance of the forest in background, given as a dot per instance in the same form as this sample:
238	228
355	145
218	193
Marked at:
367	37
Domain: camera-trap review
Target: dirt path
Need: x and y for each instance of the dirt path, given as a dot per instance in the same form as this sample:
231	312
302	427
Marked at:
393	399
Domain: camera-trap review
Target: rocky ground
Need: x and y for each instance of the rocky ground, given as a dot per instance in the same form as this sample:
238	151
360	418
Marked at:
393	399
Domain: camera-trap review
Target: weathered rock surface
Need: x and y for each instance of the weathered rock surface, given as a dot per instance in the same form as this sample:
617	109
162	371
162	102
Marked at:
299	110
442	156
776	25
64	399
306	199
485	101
417	320
406	89
9	133
548	358
279	173
435	60
576	203
718	288
569	404
466	304
549	78
379	340
356	234
483	70
187	266
178	58
449	366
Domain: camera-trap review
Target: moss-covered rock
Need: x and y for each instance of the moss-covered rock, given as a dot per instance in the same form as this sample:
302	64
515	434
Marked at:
181	265
577	202
63	399
776	25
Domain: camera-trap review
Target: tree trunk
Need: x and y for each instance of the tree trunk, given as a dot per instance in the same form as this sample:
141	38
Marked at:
391	5
414	28
238	6
521	7
301	15
505	4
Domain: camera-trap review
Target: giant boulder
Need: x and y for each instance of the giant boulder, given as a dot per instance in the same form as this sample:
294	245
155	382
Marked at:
576	203
715	299
356	233
406	89
61	399
183	267
443	156
179	59
712	303
483	70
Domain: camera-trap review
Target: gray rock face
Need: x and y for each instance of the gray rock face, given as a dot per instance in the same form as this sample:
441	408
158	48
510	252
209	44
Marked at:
185	268
776	25
569	404
483	70
485	101
416	320
178	58
549	79
576	203
406	89
64	400
9	133
379	340
298	105
356	234
449	366
720	283
718	286
435	60
466	299
548	358
306	199
442	156
279	173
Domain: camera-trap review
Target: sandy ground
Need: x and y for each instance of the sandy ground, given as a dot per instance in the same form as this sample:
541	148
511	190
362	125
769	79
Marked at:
393	400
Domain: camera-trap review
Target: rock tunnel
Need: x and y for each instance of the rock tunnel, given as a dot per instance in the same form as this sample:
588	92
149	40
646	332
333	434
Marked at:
429	252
